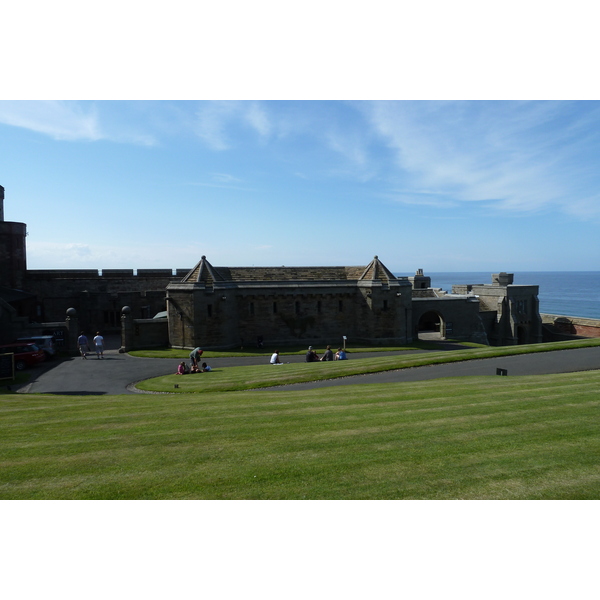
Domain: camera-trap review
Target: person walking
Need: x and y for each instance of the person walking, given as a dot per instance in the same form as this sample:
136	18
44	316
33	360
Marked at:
83	345
99	343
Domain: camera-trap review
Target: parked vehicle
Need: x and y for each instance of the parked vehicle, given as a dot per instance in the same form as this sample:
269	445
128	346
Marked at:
43	342
26	355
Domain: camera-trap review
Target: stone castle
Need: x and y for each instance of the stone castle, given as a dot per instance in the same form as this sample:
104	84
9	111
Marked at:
224	307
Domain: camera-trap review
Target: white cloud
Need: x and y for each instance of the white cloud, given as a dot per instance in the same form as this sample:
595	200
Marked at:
349	146
257	117
518	156
70	121
60	120
423	199
212	118
215	120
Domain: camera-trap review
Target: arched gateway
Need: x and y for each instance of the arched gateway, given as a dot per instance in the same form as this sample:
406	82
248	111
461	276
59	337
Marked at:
431	325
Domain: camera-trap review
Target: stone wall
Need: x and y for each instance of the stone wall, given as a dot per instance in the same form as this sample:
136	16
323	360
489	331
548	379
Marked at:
516	308
99	296
287	313
142	333
572	326
459	317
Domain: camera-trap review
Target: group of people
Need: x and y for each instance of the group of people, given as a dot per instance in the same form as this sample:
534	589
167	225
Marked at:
194	367
84	346
196	353
183	369
312	356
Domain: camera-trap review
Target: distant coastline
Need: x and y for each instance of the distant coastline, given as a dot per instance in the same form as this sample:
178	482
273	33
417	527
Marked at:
565	293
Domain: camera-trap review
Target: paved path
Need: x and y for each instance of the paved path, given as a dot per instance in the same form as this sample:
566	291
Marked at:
563	361
116	372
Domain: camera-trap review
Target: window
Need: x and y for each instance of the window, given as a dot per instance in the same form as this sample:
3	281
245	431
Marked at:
274	307
209	310
385	305
297	308
318	306
341	306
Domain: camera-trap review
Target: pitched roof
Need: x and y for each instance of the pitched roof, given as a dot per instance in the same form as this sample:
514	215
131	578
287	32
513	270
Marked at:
376	271
205	273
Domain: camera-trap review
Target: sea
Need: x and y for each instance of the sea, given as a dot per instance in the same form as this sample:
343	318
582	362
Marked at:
564	293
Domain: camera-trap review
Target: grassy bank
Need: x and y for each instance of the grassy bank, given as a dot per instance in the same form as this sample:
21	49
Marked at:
266	375
297	349
480	437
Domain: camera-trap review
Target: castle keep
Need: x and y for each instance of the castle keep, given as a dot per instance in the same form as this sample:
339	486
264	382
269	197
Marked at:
221	307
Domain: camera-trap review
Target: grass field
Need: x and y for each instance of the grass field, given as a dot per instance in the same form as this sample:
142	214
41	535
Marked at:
472	438
288	350
260	376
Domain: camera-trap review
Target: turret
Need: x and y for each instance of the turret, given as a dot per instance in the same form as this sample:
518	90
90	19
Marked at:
13	262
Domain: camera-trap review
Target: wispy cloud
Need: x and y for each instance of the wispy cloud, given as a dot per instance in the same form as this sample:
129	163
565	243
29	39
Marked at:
422	199
256	116
70	121
515	156
217	123
225	178
60	120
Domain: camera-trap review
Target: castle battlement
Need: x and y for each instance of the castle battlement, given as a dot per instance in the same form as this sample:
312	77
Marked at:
34	274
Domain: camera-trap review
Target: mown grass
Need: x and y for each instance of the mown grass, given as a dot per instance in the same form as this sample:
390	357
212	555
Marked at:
284	350
261	376
532	437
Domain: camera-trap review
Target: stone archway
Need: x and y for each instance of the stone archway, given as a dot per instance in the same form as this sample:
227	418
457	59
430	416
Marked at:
431	326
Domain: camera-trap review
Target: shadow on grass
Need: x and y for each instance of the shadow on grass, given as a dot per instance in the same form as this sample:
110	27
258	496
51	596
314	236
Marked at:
79	393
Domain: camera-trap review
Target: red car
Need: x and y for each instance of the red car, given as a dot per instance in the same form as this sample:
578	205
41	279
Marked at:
26	355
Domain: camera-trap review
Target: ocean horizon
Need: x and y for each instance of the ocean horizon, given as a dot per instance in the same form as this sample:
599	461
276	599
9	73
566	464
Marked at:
564	293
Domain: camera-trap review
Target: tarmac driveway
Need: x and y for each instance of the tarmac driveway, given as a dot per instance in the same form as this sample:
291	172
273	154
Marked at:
116	373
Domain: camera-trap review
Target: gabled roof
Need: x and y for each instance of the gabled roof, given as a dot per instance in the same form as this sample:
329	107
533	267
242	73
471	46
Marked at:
376	271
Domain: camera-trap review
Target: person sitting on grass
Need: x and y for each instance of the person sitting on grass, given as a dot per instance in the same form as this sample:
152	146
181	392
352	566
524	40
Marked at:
328	354
340	354
275	358
195	369
181	369
205	368
311	355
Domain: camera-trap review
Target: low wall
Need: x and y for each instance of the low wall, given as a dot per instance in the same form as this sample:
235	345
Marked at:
138	334
576	326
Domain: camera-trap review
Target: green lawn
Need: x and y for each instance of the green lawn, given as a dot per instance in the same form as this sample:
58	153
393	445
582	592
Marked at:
266	375
476	437
297	349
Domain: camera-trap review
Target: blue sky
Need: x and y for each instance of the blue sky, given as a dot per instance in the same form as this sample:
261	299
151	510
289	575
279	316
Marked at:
439	185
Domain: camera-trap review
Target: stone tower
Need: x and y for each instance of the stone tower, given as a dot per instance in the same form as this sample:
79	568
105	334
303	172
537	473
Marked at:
13	263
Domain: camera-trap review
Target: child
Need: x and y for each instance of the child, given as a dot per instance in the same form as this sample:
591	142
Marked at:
205	368
181	369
